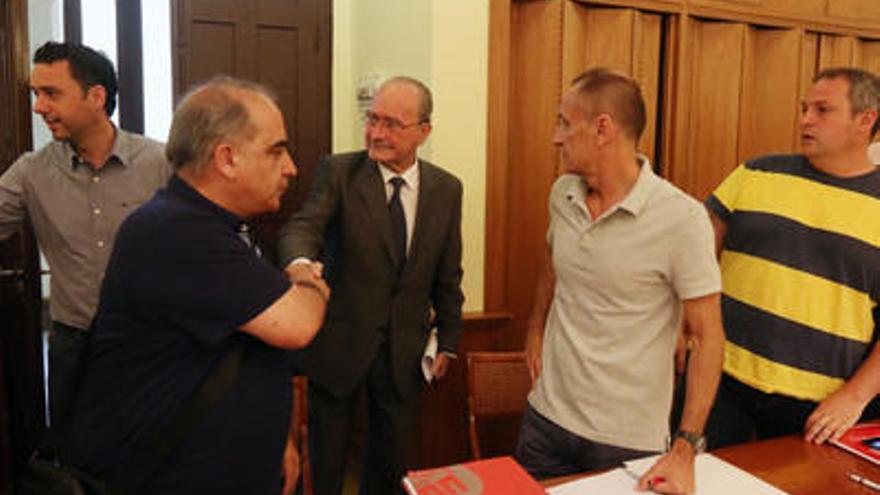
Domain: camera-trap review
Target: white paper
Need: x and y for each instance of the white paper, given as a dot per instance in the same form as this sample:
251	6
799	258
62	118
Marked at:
429	355
610	483
714	476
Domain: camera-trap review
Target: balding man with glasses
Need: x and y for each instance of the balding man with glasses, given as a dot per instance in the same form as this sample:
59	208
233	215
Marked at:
388	227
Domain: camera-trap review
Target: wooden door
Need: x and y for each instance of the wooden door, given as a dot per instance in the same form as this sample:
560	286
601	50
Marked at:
554	41
21	384
283	44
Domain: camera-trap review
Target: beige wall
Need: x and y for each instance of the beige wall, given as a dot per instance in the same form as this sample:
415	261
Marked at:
443	43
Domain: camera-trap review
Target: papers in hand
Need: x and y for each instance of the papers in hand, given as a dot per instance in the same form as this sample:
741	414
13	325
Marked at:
430	355
713	476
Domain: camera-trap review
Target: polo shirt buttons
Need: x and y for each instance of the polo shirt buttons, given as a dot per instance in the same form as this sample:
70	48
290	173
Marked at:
96	179
96	211
100	244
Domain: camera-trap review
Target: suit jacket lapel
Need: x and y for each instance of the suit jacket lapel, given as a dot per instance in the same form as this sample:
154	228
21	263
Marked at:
424	214
372	191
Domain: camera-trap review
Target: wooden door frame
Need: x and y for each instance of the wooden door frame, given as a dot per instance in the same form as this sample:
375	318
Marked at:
21	405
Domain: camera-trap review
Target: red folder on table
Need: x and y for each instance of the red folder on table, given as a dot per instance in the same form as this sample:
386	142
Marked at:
496	476
862	440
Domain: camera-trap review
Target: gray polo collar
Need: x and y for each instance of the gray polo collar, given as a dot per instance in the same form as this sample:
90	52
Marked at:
634	202
638	196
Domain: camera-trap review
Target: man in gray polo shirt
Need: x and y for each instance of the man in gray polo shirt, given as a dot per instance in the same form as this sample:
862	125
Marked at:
76	191
629	251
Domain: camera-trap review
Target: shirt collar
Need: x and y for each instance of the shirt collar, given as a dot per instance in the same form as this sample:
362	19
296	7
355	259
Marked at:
634	202
181	189
410	176
121	152
638	196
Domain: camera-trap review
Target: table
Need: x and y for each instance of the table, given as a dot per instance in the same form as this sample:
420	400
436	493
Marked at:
798	467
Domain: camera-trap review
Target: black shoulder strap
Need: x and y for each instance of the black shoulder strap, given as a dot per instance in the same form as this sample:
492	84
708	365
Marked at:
156	448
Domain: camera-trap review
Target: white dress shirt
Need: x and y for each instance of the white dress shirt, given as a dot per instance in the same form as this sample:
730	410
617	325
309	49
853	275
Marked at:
409	194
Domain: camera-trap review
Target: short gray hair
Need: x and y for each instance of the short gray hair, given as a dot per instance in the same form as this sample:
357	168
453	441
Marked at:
426	102
864	90
208	114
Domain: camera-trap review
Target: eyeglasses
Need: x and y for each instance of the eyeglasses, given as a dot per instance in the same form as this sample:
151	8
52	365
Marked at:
373	120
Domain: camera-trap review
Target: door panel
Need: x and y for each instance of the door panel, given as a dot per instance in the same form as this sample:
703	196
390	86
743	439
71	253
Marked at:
283	44
21	384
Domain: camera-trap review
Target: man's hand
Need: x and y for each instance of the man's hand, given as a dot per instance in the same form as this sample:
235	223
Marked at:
290	469
673	473
305	271
308	274
833	416
534	348
440	366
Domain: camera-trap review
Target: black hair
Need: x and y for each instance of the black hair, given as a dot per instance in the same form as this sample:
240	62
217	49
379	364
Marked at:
87	66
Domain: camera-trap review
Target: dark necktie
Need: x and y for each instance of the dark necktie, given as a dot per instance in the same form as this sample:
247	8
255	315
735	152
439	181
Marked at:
398	222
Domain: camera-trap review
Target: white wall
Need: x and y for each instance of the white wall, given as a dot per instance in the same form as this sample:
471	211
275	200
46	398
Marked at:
445	44
460	80
45	24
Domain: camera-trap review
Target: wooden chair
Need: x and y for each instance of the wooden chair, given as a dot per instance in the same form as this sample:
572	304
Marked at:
300	424
498	384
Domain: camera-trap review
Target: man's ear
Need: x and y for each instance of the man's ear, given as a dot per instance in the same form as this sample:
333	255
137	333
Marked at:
97	95
223	160
605	128
426	129
866	121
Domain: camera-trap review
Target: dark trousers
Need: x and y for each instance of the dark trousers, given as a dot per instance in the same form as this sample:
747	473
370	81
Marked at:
392	433
741	414
547	450
68	353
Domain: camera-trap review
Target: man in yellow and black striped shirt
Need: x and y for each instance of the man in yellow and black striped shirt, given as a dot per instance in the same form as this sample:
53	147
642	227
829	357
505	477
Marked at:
799	237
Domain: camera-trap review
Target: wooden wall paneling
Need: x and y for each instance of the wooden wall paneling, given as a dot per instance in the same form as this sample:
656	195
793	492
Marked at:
836	50
647	70
868	55
179	47
812	14
809	67
279	43
801	7
444	424
715	102
212	50
536	85
594	37
282	44
675	120
862	10
497	230
21	365
770	92
742	5
664	6
776	8
626	40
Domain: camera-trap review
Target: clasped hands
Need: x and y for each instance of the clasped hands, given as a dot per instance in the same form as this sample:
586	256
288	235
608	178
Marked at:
309	273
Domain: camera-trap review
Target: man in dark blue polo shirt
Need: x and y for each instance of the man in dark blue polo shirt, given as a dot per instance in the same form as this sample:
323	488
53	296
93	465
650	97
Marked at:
183	287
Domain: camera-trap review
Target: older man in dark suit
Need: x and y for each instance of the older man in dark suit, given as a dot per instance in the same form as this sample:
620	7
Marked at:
389	227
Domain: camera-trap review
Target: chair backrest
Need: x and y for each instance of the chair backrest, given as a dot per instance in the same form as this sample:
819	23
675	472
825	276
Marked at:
498	385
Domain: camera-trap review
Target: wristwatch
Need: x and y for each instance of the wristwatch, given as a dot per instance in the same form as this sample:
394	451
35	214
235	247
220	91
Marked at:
697	441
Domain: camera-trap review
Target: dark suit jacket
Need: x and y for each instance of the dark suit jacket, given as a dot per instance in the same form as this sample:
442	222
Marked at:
345	221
